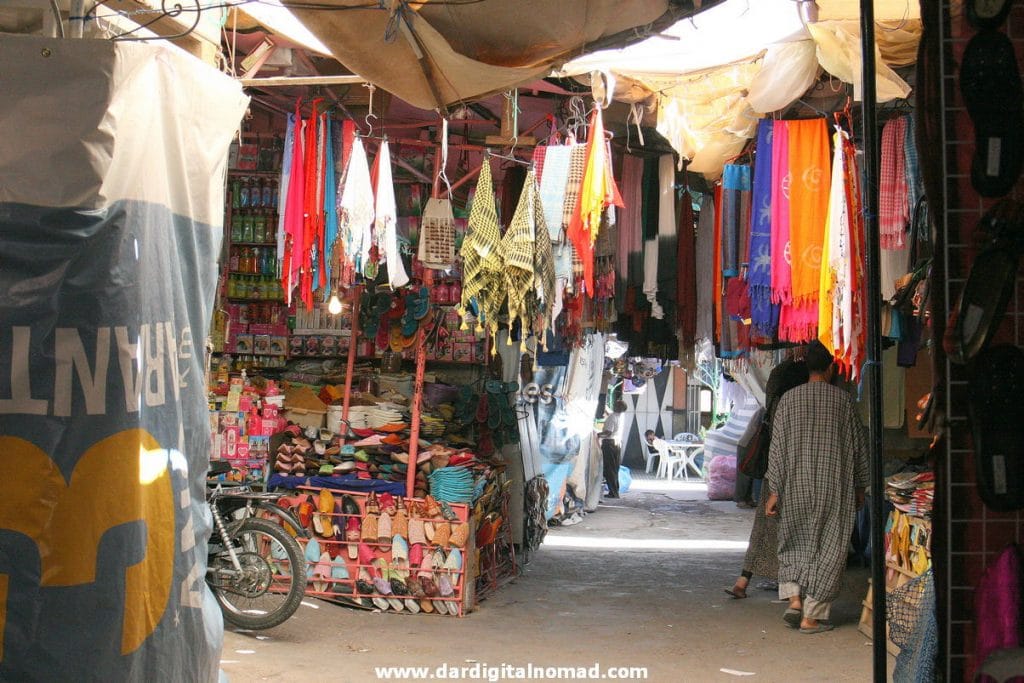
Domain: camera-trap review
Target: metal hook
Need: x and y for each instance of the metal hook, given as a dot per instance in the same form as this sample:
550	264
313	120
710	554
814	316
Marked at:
369	109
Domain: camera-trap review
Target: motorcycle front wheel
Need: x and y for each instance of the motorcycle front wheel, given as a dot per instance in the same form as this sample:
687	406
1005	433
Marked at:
268	588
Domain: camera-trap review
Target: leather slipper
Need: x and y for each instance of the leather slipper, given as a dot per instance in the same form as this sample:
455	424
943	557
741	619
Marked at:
736	593
792	617
820	628
997	425
991	89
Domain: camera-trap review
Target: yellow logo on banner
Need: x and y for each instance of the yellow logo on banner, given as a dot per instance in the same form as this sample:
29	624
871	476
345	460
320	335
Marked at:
122	479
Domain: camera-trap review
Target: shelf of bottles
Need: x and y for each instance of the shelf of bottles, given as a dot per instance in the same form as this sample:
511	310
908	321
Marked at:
252	255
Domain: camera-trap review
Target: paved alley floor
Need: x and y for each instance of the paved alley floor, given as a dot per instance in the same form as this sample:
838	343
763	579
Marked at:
637	583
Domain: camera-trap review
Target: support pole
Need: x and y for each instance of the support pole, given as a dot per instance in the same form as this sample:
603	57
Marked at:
357	291
874	338
421	359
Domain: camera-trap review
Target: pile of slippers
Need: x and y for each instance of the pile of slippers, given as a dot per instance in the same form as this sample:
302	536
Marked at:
406	554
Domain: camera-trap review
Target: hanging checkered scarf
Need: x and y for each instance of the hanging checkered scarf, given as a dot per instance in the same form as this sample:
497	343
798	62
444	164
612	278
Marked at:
482	253
893	209
519	244
543	268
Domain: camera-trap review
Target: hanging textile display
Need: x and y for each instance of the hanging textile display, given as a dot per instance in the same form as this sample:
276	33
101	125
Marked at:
556	160
312	216
841	302
735	217
810	175
782	275
330	207
893	197
705	248
667	239
597	192
686	286
763	313
385	221
284	183
356	213
483	257
628	262
293	210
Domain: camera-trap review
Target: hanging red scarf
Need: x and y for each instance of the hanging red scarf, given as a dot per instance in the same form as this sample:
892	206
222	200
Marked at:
311	211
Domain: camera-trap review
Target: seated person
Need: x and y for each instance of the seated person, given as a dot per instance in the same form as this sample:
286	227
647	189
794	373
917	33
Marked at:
655	445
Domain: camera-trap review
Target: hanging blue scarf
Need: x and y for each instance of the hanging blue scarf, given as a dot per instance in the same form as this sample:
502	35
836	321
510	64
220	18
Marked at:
763	313
330	208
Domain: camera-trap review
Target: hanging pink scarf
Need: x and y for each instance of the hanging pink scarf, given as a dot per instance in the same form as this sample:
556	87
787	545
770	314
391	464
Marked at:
782	274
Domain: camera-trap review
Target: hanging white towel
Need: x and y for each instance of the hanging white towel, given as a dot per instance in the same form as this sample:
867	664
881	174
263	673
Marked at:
386	219
355	209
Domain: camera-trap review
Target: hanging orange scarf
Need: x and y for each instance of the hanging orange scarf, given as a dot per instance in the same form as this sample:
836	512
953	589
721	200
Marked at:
597	192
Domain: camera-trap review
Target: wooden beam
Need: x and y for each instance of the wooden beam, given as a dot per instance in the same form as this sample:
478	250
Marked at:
285	81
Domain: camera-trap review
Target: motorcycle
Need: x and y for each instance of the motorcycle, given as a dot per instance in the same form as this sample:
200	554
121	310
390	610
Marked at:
255	568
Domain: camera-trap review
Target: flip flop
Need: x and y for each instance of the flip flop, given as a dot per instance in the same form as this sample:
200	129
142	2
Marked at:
991	90
792	617
996	415
820	628
736	593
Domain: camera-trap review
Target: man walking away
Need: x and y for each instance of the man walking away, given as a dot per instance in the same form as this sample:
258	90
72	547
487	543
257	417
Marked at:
817	472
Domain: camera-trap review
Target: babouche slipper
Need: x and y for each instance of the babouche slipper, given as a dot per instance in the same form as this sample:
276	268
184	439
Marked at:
792	617
820	628
736	593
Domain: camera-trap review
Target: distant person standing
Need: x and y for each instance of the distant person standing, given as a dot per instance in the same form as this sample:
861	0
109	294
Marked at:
611	447
817	473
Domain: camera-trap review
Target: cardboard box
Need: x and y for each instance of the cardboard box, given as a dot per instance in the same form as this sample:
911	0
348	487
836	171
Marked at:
306	418
244	343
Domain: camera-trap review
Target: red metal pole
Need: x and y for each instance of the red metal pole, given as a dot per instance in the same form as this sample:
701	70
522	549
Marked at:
357	291
421	361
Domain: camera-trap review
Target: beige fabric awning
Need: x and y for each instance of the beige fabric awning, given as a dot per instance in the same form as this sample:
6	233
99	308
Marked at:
436	54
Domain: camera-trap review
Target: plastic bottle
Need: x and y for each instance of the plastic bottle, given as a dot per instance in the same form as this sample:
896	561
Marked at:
247	228
233	261
268	197
236	227
243	195
236	193
259	227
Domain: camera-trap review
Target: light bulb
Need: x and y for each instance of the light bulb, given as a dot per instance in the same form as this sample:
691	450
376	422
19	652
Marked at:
334	305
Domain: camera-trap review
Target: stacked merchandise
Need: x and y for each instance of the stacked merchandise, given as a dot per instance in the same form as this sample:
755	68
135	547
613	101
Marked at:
385	552
242	419
912	492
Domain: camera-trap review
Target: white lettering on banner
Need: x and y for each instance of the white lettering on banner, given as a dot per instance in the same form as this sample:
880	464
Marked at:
71	356
158	357
127	353
21	400
154	366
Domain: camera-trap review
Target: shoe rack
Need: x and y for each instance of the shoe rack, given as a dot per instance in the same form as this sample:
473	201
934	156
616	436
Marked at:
354	581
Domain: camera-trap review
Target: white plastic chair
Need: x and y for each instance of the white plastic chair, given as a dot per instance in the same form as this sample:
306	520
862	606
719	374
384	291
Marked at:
649	457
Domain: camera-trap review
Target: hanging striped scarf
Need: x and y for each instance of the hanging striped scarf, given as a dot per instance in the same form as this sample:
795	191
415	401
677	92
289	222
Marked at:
764	314
893	208
282	186
735	216
483	257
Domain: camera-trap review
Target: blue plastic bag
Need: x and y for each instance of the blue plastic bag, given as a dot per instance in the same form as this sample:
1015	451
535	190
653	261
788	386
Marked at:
625	479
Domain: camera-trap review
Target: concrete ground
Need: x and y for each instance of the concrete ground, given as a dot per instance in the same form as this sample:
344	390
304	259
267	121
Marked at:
637	583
